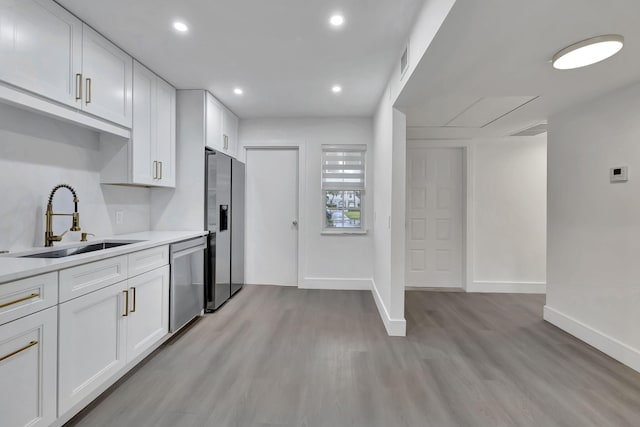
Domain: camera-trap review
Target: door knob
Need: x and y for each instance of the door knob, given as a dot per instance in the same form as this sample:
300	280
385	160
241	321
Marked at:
295	222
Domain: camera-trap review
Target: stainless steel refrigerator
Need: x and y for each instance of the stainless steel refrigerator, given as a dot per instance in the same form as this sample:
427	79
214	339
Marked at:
224	207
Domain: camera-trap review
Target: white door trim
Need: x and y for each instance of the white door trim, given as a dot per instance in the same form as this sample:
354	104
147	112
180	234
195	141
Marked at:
468	208
302	185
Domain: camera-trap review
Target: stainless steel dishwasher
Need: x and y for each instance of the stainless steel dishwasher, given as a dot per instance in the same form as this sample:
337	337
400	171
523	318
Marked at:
187	281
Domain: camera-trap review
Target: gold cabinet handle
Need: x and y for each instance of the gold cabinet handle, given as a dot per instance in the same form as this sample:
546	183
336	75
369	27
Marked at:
20	350
78	87
134	300
7	304
126	303
88	90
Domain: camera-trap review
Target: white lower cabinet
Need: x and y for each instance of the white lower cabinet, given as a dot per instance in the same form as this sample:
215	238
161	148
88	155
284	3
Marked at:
92	342
28	348
101	332
148	319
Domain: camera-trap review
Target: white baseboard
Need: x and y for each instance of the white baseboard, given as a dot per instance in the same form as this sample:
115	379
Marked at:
394	327
269	284
336	284
606	344
508	287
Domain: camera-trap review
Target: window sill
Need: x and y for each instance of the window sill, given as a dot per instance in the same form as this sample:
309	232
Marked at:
343	233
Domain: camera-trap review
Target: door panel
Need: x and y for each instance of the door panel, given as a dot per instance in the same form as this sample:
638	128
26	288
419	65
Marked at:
214	124
165	125
271	208
148	318
223	233
28	372
92	343
238	221
108	74
434	217
143	152
43	44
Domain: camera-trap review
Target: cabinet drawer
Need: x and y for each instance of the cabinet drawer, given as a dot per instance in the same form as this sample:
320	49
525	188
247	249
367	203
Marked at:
23	297
147	260
81	280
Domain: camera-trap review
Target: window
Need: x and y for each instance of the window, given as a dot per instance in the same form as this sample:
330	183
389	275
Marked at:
343	185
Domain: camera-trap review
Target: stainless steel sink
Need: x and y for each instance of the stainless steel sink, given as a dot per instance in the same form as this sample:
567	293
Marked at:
77	250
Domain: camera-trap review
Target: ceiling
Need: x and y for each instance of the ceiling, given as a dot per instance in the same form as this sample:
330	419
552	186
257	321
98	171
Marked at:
282	53
487	73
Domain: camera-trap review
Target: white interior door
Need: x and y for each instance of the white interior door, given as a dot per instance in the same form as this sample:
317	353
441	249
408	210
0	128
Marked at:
272	215
434	217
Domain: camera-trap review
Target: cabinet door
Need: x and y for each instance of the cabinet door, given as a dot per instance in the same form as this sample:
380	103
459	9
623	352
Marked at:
41	48
143	159
92	343
230	133
214	138
166	132
148	318
107	77
28	351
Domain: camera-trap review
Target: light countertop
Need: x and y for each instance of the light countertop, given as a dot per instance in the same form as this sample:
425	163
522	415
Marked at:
13	268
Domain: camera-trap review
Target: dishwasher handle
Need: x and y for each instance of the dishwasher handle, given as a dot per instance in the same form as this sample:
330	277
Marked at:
187	246
188	251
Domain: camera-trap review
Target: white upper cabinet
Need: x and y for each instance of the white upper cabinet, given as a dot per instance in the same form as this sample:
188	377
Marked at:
222	127
153	143
41	49
165	126
143	149
230	133
214	123
46	50
107	74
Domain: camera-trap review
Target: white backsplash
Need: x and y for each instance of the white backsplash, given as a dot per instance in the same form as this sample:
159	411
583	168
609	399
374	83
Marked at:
38	153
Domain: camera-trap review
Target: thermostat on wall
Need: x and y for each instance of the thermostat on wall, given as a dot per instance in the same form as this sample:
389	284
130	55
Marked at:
619	174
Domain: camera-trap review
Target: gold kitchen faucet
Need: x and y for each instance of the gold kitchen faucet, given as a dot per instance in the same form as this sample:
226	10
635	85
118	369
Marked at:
49	237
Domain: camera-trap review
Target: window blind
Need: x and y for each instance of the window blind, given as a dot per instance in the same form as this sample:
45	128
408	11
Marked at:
343	167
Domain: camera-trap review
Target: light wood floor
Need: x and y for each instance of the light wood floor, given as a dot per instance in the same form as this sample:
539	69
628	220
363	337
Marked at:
276	356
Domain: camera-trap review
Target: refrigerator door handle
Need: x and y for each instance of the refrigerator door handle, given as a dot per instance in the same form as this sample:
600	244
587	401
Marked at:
224	218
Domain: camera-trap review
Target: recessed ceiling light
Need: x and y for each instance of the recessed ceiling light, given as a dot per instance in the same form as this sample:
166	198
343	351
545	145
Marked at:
337	20
180	26
588	52
336	89
238	91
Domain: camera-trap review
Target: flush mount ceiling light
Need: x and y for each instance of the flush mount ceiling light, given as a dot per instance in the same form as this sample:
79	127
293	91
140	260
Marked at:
180	27
336	20
588	52
238	91
336	89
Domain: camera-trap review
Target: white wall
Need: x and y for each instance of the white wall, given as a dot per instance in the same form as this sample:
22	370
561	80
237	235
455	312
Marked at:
594	226
338	262
36	154
510	180
390	165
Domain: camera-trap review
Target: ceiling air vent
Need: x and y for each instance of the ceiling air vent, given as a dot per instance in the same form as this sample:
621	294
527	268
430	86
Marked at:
532	131
404	61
